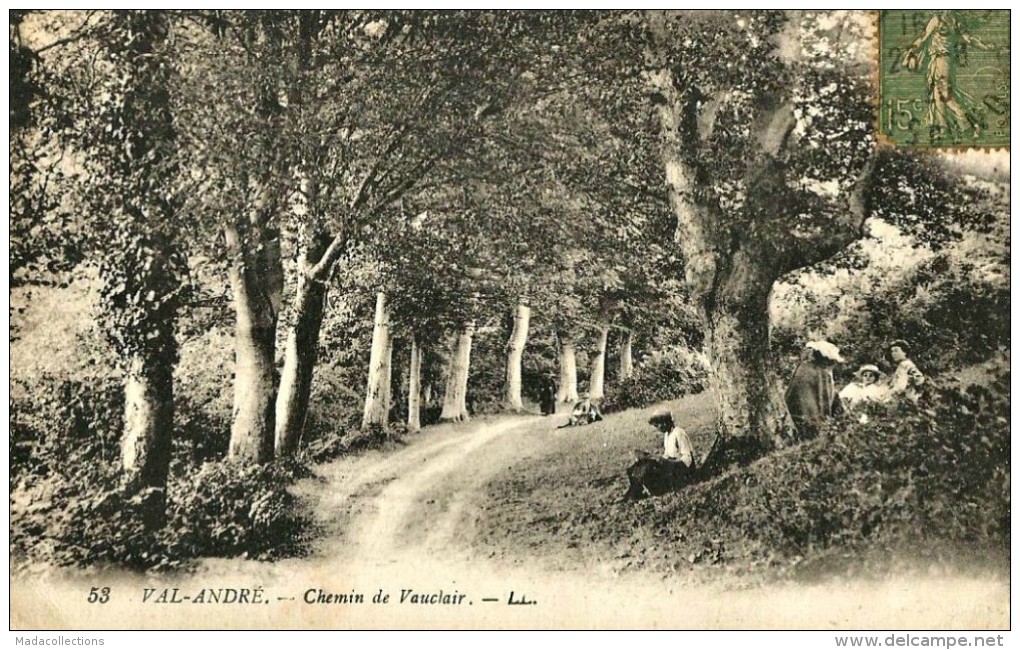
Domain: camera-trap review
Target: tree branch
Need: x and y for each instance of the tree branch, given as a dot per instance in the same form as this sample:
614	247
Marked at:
776	131
75	35
320	272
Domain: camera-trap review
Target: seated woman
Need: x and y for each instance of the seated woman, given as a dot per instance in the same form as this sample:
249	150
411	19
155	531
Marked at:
906	380
864	391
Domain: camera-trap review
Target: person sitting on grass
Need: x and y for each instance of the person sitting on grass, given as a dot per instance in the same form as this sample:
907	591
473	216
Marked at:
584	412
864	392
650	476
906	380
676	444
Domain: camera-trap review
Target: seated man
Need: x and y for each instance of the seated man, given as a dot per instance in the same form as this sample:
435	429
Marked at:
650	476
676	444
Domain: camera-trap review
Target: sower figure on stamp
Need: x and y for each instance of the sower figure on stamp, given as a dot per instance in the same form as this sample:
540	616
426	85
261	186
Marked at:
940	49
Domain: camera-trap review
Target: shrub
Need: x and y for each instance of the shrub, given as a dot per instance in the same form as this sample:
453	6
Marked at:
338	443
55	422
81	517
223	509
938	472
662	377
67	507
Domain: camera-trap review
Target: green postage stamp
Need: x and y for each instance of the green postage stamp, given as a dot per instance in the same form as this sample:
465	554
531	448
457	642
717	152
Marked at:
944	78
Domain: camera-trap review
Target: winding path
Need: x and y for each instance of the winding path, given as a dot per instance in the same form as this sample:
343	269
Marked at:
401	521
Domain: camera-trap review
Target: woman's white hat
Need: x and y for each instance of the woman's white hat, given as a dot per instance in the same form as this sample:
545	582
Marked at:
868	367
827	350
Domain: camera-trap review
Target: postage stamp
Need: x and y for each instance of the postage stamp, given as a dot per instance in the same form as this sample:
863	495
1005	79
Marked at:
944	78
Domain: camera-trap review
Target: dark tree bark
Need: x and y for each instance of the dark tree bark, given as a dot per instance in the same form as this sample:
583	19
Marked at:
733	261
256	278
148	417
302	348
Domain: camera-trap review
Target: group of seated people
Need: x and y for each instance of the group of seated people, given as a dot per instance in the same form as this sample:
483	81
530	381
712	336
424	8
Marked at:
811	397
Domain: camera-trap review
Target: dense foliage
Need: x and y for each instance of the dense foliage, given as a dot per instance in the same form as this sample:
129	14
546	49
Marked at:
661	377
938	473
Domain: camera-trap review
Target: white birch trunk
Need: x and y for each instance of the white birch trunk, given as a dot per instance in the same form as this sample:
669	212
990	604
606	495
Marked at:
377	391
627	357
568	372
414	387
455	398
514	358
597	381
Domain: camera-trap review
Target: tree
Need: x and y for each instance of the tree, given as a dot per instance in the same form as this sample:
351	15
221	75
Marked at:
767	167
386	98
113	121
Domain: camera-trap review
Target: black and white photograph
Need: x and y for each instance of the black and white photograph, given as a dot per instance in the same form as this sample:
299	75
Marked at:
392	319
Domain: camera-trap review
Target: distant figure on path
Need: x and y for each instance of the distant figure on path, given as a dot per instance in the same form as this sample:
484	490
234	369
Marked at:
864	391
811	397
547	397
906	380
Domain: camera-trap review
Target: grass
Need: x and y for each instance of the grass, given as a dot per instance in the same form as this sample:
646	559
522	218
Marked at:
753	523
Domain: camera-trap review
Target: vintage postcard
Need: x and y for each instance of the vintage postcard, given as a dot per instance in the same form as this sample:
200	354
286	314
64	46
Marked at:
498	320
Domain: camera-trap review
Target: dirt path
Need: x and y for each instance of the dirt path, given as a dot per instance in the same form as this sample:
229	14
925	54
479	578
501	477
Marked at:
400	522
382	506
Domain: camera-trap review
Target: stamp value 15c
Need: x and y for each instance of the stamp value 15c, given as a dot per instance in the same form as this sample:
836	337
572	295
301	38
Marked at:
944	78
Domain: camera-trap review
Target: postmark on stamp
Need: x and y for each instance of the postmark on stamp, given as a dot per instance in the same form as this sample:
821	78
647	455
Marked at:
944	78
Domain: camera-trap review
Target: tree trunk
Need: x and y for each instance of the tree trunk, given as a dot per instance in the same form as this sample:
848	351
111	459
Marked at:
256	279
455	398
568	372
148	419
596	384
301	352
627	357
414	387
514	357
377	399
738	342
